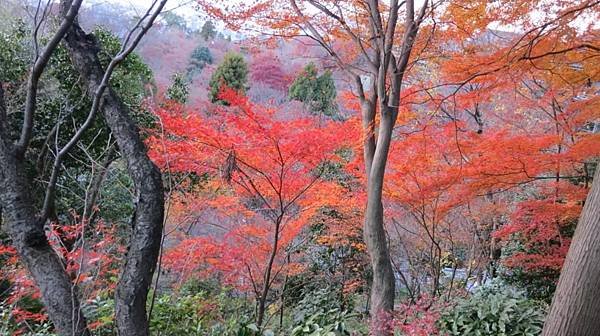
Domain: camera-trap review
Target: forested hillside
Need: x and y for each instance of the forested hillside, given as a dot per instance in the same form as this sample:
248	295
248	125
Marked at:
299	167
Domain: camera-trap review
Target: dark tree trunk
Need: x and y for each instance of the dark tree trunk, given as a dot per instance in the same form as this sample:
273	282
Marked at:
575	309
144	245
262	300
26	231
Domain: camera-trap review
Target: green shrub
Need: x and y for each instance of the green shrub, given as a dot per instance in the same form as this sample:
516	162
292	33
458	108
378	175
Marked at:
179	90
184	314
318	92
201	56
332	322
232	73
495	310
319	313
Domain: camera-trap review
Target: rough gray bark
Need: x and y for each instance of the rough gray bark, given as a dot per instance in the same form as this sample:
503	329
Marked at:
27	235
144	245
24	227
575	309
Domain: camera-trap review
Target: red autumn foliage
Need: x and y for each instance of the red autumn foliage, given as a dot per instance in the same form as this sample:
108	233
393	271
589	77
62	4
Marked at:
92	264
264	181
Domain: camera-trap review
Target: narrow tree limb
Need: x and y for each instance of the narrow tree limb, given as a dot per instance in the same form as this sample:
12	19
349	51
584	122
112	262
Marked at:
126	49
36	73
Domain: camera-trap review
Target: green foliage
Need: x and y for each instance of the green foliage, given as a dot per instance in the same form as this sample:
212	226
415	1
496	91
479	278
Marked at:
177	317
200	314
14	58
100	312
495	311
201	56
334	170
115	195
231	73
129	79
205	313
208	31
62	100
324	323
320	313
318	92
178	91
539	284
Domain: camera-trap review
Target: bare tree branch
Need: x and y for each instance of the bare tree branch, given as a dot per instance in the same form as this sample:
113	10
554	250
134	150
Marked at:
36	73
126	49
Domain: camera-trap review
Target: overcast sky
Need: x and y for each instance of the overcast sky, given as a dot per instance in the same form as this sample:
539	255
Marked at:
186	9
183	8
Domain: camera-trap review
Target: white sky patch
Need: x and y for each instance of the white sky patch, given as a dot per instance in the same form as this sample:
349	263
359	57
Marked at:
184	8
195	18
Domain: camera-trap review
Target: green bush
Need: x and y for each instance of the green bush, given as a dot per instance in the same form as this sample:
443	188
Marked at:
232	73
318	92
203	313
495	310
319	313
179	90
200	314
332	322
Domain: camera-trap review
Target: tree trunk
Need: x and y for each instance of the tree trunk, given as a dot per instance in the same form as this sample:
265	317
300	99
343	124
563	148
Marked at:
262	302
26	231
575	309
383	285
144	245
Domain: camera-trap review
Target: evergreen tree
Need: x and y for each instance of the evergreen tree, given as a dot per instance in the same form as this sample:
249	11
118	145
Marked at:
232	73
178	91
318	92
201	56
208	31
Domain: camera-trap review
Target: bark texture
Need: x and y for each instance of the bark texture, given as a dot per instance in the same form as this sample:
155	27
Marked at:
20	220
144	246
26	231
575	309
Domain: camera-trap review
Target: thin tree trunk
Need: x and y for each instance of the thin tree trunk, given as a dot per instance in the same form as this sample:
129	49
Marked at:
95	186
575	309
383	285
262	300
144	244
